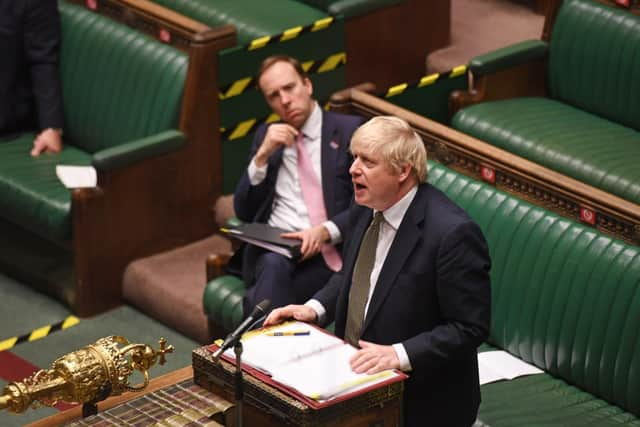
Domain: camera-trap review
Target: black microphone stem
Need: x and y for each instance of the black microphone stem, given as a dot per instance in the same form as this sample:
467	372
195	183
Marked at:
237	348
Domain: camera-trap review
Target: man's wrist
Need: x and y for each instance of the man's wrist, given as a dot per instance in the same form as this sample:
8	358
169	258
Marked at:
59	131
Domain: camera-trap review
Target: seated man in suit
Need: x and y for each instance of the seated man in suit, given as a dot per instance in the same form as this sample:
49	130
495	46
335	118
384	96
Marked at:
298	180
30	92
414	291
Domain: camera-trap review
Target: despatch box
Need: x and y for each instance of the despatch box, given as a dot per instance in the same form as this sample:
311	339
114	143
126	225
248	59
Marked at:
268	405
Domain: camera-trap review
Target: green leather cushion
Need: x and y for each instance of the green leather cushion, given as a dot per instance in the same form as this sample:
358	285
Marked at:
31	194
118	84
545	400
564	297
566	139
252	18
594	58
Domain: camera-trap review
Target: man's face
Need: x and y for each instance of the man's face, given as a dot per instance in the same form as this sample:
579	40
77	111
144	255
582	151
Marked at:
288	94
375	184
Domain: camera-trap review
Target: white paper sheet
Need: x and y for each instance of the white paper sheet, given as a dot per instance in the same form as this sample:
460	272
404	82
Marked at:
77	176
500	365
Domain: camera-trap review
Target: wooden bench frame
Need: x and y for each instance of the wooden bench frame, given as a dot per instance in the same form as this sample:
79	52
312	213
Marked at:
161	202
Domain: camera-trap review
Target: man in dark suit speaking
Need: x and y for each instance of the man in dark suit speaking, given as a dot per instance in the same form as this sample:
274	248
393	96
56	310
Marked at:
297	179
414	291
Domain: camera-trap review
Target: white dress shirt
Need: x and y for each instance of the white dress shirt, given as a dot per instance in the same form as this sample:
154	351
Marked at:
289	211
392	219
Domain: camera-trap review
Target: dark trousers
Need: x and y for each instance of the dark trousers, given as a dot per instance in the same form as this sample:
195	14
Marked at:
284	281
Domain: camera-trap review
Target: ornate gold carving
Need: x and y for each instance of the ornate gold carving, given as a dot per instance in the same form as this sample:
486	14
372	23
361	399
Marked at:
87	375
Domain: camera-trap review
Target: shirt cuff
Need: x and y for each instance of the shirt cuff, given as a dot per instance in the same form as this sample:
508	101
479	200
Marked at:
257	174
334	232
319	309
403	357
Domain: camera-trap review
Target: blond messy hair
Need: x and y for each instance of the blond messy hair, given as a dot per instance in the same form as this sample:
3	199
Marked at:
393	140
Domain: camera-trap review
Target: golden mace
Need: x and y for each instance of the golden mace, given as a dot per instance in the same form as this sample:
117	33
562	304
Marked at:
87	375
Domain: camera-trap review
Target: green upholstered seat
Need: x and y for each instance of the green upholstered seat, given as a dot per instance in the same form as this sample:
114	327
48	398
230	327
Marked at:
546	400
572	141
118	87
252	18
589	126
31	194
565	298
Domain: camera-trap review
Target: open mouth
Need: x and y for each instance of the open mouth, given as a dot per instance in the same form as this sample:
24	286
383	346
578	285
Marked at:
358	186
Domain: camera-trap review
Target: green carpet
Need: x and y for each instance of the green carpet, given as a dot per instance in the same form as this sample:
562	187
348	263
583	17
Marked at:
22	310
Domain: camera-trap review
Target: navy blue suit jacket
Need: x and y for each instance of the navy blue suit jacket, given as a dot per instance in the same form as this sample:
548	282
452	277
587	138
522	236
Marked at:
433	296
30	93
254	203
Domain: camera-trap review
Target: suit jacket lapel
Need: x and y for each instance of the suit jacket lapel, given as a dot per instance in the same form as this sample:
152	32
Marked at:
328	161
408	234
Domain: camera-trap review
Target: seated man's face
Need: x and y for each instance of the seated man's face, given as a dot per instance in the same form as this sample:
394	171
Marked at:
375	183
288	94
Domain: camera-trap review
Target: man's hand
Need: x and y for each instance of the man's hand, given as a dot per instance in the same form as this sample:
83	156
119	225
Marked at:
302	313
374	358
277	134
312	239
48	141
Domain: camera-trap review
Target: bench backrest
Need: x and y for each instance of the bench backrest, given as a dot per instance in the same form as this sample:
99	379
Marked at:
594	60
252	18
118	84
565	297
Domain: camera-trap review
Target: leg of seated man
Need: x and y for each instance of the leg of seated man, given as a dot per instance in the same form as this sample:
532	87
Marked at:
285	282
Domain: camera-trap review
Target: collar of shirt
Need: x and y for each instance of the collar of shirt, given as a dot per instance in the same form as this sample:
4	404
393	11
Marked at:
393	215
312	128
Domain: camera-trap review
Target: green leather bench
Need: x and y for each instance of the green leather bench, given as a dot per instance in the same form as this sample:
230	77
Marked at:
124	99
564	297
583	120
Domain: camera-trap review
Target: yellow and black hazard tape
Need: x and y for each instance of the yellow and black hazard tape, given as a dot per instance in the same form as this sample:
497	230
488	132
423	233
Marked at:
310	67
39	333
290	34
425	81
244	128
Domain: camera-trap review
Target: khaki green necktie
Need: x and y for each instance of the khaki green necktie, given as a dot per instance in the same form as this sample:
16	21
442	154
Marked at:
361	281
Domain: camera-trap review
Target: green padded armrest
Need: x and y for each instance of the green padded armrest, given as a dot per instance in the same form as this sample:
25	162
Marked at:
222	301
135	151
509	56
351	8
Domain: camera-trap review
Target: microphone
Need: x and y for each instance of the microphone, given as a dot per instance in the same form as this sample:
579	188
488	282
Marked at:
256	315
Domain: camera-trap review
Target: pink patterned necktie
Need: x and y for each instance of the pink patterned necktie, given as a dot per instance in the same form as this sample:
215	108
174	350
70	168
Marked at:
312	195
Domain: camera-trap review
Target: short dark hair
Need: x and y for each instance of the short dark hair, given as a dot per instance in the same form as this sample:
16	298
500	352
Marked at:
270	60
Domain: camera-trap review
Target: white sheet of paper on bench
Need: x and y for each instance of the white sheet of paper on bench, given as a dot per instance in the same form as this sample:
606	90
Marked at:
317	365
77	176
500	365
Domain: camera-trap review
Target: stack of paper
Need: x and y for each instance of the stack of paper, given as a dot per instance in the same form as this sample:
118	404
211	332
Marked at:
307	359
77	176
500	365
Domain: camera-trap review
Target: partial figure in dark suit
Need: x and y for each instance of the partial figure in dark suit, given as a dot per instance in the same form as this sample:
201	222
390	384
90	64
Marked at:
30	90
297	179
414	292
